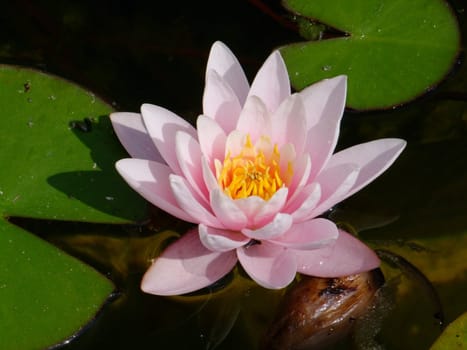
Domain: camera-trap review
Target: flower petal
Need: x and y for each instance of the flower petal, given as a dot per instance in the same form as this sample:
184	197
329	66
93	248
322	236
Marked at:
189	159
271	266
268	209
254	119
224	62
336	183
219	240
271	83
311	234
226	211
186	266
211	139
347	256
305	202
276	228
288	124
151	180
372	157
162	125
187	200
133	136
324	104
220	102
208	176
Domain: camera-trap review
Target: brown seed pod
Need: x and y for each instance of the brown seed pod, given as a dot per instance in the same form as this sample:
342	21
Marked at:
317	312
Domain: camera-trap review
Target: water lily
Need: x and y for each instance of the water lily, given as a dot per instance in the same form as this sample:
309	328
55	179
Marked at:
254	175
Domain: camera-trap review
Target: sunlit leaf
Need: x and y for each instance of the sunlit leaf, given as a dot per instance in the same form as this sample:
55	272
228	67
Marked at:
455	335
393	50
57	163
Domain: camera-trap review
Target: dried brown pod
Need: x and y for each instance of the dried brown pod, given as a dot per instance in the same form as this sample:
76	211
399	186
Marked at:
317	312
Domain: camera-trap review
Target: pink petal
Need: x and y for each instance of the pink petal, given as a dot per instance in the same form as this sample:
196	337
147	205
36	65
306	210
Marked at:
226	211
305	202
336	182
234	143
151	180
373	158
301	169
254	118
220	102
187	200
221	240
162	125
276	228
250	206
312	234
189	159
288	124
133	136
266	210
208	176
186	266
271	266
211	139
224	62
271	83
324	103
347	256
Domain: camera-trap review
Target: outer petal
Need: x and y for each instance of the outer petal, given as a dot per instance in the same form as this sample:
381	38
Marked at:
271	83
221	240
324	104
271	266
226	211
186	266
211	139
151	180
276	228
189	159
312	234
347	256
306	200
373	158
162	125
133	136
224	62
220	102
336	183
187	200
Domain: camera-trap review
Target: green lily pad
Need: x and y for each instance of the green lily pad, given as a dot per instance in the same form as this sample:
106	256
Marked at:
52	169
455	335
393	50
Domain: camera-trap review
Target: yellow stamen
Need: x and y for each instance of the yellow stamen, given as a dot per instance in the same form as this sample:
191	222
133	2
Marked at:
251	173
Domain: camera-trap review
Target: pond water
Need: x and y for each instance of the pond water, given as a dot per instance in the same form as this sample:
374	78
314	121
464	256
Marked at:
132	52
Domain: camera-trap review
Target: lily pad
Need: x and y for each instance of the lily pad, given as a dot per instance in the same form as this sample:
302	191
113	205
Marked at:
455	335
392	50
53	169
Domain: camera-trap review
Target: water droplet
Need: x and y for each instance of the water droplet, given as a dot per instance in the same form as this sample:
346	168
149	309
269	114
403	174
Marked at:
30	123
52	97
326	68
109	198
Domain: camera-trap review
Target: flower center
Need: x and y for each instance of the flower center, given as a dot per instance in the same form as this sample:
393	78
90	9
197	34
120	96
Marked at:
252	173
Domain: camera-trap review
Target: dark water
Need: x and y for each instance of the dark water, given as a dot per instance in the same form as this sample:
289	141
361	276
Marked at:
131	52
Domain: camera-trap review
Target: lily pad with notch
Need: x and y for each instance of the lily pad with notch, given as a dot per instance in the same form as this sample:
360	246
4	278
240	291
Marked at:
54	172
393	51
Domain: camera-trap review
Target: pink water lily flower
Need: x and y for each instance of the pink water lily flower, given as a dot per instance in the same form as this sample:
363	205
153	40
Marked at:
254	176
